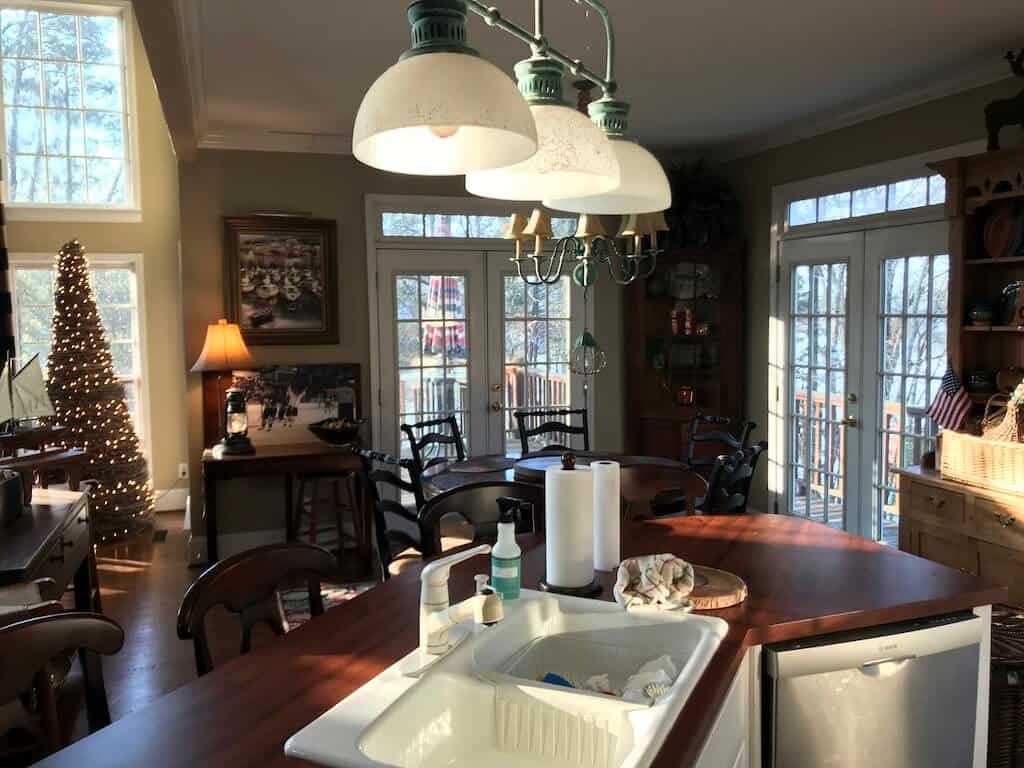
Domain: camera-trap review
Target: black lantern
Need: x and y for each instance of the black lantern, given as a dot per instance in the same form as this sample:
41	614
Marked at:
236	424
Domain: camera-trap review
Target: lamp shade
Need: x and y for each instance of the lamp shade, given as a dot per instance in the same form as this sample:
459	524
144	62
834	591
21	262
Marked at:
441	114
574	158
224	349
643	186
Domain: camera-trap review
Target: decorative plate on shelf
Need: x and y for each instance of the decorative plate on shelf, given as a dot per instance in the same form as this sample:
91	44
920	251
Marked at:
1000	230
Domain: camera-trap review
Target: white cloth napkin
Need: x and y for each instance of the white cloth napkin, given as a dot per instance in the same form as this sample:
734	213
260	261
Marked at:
659	581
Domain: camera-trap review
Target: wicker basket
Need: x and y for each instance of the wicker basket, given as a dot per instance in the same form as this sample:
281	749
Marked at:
1006	690
1004	419
994	464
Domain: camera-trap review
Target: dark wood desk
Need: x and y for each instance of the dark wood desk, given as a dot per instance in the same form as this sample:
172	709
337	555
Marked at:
314	457
53	539
805	579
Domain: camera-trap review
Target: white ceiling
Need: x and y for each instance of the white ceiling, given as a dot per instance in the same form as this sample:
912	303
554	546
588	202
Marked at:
700	74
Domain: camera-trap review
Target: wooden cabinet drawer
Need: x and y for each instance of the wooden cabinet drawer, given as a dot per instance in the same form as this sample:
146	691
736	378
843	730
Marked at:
1004	567
67	552
997	523
931	503
945	547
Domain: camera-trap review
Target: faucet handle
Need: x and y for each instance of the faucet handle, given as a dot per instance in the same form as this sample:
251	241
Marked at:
436	572
481	582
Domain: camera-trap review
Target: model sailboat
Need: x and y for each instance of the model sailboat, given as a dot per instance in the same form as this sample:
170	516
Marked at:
23	395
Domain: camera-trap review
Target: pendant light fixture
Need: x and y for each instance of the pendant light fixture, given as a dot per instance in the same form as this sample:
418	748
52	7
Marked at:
442	110
574	157
643	186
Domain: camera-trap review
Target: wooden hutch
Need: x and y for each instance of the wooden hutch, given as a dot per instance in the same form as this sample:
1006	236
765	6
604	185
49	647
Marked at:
965	526
684	334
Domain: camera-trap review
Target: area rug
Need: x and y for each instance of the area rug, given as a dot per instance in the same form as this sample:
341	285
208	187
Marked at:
295	602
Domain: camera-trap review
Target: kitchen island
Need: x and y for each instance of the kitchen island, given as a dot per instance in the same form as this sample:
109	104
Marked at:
804	579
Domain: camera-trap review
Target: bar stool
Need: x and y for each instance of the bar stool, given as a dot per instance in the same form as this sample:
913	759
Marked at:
316	491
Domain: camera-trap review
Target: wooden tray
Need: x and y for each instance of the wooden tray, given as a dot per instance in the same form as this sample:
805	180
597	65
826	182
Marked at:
714	589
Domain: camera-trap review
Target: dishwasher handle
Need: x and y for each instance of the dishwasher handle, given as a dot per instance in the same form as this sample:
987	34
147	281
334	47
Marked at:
872	653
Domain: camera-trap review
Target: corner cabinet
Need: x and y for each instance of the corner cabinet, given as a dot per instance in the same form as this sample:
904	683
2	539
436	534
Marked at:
684	335
975	530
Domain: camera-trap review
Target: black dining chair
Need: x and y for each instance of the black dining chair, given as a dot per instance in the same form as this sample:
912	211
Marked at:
247	585
554	421
730	480
477	505
434	441
395	504
712	436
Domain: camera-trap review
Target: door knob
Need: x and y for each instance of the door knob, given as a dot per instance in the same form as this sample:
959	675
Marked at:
496	406
495	387
850	421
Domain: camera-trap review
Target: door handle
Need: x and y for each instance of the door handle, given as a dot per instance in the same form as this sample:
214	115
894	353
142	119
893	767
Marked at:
850	421
496	406
885	667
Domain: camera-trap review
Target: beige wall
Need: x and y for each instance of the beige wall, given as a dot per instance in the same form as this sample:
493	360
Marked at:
228	183
156	238
934	125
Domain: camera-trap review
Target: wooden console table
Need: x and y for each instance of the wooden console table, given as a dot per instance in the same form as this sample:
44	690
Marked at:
968	527
284	460
53	539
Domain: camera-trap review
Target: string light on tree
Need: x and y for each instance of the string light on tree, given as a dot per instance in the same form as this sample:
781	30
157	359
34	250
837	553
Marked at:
90	402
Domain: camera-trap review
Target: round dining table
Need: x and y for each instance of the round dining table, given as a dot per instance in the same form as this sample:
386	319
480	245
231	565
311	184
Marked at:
647	471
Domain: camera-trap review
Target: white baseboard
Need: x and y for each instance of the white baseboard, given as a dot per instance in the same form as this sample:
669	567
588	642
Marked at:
170	499
230	544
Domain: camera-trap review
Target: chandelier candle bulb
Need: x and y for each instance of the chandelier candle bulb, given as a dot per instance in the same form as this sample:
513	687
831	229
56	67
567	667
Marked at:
569	536
607	514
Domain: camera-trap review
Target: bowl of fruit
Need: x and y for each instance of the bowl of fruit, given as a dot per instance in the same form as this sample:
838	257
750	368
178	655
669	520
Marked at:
337	431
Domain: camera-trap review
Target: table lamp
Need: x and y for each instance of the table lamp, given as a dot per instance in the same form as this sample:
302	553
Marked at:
224	350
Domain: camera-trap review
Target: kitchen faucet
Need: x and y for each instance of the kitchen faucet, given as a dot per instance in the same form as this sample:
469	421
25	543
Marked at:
437	617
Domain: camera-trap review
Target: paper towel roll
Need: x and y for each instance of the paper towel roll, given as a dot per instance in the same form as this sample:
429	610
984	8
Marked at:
569	515
606	514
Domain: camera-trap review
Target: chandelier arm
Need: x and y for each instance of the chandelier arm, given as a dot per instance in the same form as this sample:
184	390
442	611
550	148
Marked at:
492	16
609	34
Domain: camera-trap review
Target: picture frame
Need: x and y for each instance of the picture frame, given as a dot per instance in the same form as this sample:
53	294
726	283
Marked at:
280	279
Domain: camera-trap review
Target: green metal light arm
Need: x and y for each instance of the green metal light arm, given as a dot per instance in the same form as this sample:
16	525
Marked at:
492	17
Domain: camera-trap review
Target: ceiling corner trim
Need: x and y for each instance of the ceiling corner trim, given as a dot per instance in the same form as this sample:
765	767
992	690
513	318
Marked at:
187	13
826	123
277	141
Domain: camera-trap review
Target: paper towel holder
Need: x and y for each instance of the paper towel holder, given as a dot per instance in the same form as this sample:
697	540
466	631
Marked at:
587	590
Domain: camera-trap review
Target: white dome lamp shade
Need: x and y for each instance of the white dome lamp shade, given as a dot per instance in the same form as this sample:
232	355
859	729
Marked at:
442	110
643	186
574	157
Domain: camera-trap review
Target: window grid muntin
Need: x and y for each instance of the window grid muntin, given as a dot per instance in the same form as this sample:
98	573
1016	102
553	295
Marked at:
562	226
420	412
133	379
510	431
884	491
819	432
121	65
935	194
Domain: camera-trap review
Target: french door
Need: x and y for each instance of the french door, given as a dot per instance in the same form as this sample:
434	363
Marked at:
460	333
865	320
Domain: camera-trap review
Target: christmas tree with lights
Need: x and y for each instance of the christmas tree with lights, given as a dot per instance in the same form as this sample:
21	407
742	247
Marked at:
90	403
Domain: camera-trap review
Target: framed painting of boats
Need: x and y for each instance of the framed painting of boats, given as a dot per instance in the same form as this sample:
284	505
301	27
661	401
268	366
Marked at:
280	277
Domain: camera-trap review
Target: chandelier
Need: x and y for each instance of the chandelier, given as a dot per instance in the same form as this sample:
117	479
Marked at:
444	110
581	254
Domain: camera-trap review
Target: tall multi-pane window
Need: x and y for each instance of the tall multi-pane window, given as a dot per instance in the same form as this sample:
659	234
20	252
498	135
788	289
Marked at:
65	106
116	290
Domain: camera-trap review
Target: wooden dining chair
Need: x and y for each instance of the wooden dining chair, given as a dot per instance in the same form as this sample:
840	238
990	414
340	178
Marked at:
29	644
477	505
556	421
730	480
247	585
712	436
652	490
396	524
429	442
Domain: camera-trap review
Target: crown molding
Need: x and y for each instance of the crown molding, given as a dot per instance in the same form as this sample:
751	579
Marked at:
190	31
278	141
807	128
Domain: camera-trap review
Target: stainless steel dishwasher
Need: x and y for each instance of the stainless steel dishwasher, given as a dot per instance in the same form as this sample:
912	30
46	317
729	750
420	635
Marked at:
896	696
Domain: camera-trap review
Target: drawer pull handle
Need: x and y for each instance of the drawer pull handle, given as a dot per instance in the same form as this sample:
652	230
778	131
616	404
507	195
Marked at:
1005	520
936	501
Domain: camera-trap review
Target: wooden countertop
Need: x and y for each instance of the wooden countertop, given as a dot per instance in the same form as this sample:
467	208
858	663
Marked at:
804	578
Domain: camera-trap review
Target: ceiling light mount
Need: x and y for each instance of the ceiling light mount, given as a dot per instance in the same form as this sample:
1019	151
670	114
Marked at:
438	26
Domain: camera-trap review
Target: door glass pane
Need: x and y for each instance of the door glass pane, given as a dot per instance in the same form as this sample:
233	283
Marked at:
535	325
911	358
432	349
817	381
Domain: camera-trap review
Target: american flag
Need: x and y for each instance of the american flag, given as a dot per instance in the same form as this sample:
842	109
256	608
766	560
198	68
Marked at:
951	404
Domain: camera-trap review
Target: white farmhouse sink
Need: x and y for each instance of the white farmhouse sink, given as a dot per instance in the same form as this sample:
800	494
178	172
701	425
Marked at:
482	703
